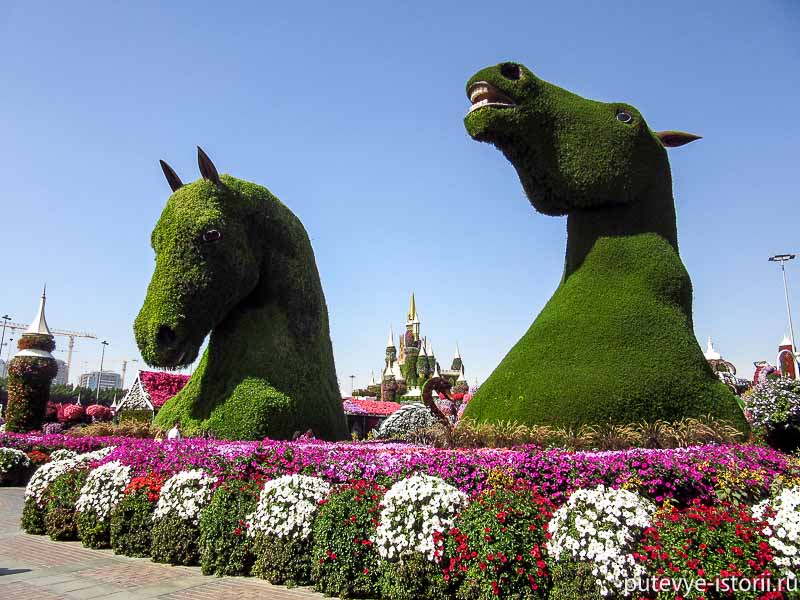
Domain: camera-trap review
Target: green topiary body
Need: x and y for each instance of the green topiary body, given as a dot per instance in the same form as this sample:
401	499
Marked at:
615	342
268	369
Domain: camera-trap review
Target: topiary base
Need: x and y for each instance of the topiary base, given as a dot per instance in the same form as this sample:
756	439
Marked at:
175	542
32	518
411	578
608	348
282	562
92	532
132	525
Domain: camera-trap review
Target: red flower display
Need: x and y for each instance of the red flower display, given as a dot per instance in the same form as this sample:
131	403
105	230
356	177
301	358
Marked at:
71	413
162	386
98	412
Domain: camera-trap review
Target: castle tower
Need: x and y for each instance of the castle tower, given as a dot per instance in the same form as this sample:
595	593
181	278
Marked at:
30	374
412	319
786	360
458	363
391	351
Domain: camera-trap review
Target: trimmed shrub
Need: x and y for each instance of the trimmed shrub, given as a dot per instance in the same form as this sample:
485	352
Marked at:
32	518
132	519
100	494
176	520
15	466
281	527
224	545
343	560
496	546
175	541
410	578
414	511
60	519
601	526
715	543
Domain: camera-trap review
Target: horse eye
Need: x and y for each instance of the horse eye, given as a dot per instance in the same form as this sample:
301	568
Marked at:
625	117
510	71
212	235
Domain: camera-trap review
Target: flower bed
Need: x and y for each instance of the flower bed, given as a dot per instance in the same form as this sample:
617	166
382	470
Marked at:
397	520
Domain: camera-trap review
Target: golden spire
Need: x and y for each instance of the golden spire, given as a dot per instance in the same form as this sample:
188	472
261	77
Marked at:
412	309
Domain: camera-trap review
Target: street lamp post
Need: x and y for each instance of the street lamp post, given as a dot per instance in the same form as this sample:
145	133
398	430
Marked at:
100	375
6	319
783	259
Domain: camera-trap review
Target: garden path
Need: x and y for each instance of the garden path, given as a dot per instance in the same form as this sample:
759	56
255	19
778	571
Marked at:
36	568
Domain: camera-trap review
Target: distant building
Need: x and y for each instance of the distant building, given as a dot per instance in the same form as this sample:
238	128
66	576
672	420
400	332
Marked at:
109	380
3	368
62	378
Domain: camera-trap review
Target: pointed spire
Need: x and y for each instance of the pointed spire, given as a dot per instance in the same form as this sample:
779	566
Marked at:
458	352
436	372
461	377
412	309
390	342
786	341
422	348
711	353
430	349
39	323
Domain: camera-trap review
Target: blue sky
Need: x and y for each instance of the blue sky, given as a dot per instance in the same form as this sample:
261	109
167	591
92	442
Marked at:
351	113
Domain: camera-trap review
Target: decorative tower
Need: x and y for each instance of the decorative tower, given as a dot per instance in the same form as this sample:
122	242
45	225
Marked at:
30	373
458	364
461	387
391	351
412	320
786	359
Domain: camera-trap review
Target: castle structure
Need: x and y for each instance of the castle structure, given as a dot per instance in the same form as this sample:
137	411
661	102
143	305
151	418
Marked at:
412	361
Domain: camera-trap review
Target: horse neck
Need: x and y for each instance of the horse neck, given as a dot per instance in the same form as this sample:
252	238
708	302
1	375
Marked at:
654	213
285	313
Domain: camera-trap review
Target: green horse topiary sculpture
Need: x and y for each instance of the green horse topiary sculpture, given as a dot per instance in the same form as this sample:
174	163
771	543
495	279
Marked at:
615	342
234	261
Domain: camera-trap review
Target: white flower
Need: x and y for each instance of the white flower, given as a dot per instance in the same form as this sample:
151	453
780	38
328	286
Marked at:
47	473
783	529
413	509
11	458
103	489
287	506
184	495
600	526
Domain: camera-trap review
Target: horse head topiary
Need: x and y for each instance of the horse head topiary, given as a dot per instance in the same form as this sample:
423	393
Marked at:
615	342
235	262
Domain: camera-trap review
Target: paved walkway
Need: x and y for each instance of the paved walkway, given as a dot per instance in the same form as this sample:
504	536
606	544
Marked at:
34	568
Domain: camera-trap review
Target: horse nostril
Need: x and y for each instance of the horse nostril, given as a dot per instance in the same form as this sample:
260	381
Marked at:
166	336
510	71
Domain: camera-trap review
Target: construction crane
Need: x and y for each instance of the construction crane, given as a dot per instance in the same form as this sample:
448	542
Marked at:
70	334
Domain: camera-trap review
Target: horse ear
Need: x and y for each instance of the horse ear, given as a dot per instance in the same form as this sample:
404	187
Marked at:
207	168
173	180
672	139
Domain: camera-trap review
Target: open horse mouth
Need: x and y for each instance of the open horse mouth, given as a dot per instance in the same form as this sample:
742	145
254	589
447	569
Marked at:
483	94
